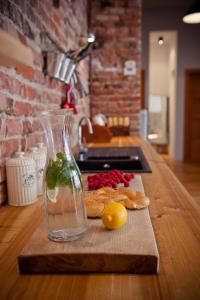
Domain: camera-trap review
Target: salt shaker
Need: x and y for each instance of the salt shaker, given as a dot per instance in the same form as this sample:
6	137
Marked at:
21	180
40	160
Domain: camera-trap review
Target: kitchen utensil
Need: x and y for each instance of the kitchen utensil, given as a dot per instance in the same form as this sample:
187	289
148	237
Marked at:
55	63
65	68
69	71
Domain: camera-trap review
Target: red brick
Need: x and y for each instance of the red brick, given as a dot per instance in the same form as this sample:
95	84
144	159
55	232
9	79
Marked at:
39	77
37	126
31	93
26	72
20	89
22	109
27	127
10	147
13	127
6	104
56	18
37	58
32	140
5	82
36	109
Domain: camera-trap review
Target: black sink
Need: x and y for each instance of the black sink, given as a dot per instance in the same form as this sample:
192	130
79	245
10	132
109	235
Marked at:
129	159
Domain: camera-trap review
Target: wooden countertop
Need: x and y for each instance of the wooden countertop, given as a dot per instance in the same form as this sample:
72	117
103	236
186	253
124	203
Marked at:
176	221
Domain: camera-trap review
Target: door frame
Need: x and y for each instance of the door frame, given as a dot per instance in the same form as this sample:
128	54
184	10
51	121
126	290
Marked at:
143	102
188	72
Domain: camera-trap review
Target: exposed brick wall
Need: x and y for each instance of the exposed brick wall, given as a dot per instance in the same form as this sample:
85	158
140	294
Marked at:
117	26
25	91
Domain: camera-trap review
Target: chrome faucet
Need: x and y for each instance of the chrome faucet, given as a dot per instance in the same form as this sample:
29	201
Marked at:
81	145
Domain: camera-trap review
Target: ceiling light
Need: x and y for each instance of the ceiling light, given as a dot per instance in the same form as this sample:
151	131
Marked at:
91	38
160	40
192	16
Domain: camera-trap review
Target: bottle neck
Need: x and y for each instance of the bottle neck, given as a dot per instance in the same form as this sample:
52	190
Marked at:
57	135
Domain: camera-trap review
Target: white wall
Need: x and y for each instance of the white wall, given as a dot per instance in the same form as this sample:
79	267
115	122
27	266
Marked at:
159	70
173	96
188	55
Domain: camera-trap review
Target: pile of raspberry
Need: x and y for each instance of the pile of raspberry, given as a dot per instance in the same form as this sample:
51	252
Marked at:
110	179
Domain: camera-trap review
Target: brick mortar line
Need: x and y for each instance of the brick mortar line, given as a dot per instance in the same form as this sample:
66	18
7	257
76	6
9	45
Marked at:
118	98
39	24
31	24
38	27
12	73
51	33
32	102
30	42
20	137
21	119
124	81
25	15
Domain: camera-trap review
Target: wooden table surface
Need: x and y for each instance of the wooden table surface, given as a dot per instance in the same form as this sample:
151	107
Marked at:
176	222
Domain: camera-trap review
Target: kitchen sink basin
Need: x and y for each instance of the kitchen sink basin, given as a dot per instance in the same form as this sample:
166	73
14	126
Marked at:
129	159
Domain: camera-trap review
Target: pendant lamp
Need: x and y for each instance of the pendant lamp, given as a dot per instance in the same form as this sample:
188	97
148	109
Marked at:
192	16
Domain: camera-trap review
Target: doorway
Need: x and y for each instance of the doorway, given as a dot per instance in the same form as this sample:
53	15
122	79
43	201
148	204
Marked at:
162	90
192	115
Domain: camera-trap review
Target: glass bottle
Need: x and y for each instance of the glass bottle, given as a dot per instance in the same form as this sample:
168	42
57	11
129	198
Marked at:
63	189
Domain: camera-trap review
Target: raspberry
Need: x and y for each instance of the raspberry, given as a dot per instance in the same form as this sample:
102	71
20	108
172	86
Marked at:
126	183
110	179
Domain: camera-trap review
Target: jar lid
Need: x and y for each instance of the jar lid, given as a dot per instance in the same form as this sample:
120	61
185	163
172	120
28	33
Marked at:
20	160
33	149
36	153
40	145
42	148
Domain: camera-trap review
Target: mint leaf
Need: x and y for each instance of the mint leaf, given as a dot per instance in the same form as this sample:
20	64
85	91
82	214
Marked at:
51	175
61	173
61	155
63	177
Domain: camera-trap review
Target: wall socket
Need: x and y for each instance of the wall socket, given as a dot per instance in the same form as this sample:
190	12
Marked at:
130	68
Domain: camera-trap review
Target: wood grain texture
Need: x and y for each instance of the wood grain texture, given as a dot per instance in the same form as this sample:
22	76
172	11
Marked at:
13	52
188	173
132	249
176	221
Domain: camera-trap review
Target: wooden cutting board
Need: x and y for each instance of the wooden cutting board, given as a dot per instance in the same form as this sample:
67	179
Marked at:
131	249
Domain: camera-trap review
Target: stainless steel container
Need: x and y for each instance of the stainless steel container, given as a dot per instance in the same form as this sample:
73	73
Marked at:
55	64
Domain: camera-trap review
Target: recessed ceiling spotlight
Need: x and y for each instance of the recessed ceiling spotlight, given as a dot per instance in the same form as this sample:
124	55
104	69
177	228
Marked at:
160	40
192	16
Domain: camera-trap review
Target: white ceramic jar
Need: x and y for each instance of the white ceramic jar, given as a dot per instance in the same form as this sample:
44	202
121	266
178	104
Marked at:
21	180
42	148
39	157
